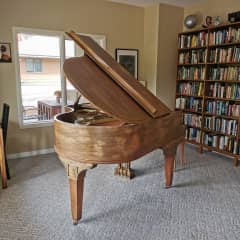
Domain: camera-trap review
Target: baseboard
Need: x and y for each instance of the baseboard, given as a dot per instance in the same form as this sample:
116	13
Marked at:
30	154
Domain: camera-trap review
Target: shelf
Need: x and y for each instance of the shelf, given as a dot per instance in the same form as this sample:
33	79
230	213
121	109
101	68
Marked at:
186	95
191	48
223	81
221	116
191	64
222	26
219	150
222	99
206	67
191	80
189	111
224	45
193	31
189	126
225	63
218	133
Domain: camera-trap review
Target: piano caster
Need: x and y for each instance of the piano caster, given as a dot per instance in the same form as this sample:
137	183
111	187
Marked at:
124	170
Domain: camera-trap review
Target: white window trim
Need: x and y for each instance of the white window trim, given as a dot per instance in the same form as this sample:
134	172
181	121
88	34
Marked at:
62	38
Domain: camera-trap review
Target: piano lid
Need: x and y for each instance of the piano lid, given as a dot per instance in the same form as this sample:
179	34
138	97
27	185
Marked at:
138	102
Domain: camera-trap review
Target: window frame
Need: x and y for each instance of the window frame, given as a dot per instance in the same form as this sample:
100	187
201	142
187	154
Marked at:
62	37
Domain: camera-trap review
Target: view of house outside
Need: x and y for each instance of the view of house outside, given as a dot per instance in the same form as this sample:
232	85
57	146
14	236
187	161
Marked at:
40	73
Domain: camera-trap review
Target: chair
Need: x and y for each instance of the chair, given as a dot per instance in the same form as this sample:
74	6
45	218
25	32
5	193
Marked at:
2	161
4	126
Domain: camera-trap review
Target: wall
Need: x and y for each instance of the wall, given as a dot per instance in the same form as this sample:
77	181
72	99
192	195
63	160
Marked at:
213	8
170	24
151	24
122	25
162	23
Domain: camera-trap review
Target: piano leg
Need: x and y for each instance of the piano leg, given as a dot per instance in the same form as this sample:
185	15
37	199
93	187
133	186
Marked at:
169	166
182	153
169	157
76	173
76	194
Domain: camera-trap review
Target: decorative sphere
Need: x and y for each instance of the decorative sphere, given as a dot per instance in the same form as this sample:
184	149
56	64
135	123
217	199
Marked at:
190	21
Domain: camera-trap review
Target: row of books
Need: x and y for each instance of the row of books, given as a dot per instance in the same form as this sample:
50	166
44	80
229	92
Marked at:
222	108
193	40
224	73
221	90
192	120
225	143
189	103
190	88
191	73
224	55
224	126
193	134
230	35
192	57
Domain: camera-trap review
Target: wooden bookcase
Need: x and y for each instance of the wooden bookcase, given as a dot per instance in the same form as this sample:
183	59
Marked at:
208	88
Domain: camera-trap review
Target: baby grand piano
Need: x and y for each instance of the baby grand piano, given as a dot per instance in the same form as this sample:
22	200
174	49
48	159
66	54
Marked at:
123	122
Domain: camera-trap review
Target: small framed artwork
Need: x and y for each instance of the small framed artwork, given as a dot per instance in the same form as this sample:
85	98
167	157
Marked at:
128	58
5	52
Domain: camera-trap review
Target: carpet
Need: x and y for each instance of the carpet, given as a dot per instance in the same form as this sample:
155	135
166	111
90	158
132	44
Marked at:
203	204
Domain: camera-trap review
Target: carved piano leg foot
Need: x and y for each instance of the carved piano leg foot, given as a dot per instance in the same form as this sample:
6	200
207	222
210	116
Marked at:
76	173
124	170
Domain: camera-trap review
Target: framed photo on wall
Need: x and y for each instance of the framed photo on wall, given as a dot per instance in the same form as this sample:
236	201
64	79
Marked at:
5	52
128	58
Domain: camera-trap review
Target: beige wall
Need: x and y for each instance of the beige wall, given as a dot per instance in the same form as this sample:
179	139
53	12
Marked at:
122	25
162	23
213	8
170	24
151	25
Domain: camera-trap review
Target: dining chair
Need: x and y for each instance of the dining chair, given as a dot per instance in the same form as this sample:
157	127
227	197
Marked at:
4	127
2	161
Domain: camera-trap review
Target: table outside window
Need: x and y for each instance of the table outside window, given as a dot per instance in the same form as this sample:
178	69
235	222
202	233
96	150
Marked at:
47	109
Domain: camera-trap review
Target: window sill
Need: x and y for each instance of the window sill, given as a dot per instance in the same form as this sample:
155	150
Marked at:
37	124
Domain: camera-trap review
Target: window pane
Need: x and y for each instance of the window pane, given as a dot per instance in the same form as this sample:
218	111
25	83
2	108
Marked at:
39	59
38	65
72	50
29	65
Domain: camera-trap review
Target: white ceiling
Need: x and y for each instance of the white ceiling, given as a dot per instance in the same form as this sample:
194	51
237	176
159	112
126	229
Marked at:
142	3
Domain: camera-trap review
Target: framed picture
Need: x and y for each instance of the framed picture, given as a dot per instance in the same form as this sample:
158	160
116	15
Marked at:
5	52
128	58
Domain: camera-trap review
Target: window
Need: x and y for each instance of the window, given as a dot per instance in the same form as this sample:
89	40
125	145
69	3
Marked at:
41	96
33	65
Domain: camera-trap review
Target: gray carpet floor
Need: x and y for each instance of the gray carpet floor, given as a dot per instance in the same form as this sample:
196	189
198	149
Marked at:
204	203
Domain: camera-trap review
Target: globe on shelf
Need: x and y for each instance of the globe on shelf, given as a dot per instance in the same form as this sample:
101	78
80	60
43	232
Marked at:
190	21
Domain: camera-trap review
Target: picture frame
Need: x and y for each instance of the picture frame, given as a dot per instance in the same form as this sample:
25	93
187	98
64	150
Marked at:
5	52
128	58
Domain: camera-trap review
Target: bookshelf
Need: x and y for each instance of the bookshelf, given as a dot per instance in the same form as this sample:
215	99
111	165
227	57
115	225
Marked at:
208	88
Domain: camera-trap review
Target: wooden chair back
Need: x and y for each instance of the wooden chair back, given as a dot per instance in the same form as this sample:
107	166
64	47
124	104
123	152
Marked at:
4	126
